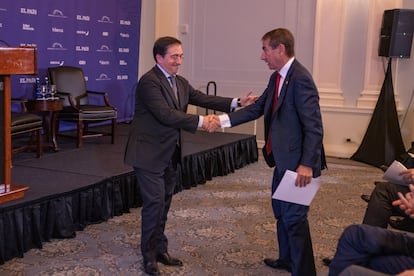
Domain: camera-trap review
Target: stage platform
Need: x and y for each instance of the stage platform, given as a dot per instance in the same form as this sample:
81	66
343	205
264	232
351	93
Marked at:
75	187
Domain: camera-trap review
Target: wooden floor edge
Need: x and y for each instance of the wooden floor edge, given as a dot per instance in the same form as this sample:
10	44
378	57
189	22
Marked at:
15	192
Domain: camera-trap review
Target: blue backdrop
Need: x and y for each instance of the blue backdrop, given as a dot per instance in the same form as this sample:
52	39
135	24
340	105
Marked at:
100	36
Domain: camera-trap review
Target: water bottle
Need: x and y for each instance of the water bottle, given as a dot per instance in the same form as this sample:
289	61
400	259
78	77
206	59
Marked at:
47	88
38	89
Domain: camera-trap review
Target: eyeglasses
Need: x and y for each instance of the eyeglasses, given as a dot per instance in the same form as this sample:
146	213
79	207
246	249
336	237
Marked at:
177	56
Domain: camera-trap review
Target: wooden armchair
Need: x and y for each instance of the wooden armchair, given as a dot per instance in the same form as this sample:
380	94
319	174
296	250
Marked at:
78	106
23	123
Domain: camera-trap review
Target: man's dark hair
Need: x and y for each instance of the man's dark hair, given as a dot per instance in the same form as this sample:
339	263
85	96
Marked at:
161	45
281	36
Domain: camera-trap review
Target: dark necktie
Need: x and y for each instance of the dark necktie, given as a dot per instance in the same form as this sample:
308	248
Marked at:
275	99
173	86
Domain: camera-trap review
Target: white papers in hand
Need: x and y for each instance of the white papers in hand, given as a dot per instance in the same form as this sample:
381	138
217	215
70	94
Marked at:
287	191
392	174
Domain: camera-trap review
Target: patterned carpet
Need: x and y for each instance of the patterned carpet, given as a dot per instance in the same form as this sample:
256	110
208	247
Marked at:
225	227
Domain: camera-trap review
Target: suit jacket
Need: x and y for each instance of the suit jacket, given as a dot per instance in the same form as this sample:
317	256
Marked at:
295	126
159	118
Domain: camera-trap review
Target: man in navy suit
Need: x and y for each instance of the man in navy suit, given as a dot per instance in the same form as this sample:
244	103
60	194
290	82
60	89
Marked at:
293	131
154	143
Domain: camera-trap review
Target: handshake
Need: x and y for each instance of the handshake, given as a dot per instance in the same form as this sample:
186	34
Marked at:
211	123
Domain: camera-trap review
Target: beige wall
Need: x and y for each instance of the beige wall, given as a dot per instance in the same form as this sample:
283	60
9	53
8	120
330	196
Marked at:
147	37
166	17
158	18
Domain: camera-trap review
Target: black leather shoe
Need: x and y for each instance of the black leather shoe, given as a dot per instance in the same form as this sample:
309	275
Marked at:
366	198
166	259
151	268
327	261
404	224
278	264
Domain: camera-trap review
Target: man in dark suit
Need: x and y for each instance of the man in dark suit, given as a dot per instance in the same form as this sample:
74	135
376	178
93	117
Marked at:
293	131
154	144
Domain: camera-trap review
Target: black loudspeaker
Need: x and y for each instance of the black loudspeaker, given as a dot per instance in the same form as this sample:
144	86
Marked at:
396	33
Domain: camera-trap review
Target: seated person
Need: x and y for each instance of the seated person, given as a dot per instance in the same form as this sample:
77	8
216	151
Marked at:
380	209
376	248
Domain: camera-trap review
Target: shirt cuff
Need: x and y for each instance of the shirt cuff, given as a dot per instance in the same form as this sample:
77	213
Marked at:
224	120
200	120
235	103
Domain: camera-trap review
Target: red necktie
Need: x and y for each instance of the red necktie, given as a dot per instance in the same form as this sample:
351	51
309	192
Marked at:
275	98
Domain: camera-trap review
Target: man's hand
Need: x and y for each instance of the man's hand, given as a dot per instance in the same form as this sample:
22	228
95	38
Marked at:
408	176
248	99
304	176
211	122
406	202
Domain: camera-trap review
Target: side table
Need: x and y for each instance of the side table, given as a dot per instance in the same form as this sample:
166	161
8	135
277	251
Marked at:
49	109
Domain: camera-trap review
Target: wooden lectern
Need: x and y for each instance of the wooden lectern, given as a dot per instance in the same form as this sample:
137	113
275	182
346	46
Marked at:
13	61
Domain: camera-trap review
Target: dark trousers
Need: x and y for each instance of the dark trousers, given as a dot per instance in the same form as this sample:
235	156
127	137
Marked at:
293	234
373	247
380	209
156	189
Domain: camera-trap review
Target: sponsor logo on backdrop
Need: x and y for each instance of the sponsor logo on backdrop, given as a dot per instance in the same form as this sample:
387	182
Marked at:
57	62
122	77
123	50
105	19
27	27
124	35
1	25
28	44
57	13
57	30
82	32
103	77
28	11
123	62
82	62
56	46
104	62
3	9
105	33
124	22
27	80
83	17
104	48
82	48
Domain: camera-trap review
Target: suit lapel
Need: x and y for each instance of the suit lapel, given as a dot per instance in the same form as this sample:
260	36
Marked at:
271	93
282	92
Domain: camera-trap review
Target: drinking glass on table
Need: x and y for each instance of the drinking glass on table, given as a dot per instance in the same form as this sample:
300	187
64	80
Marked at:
53	91
44	91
